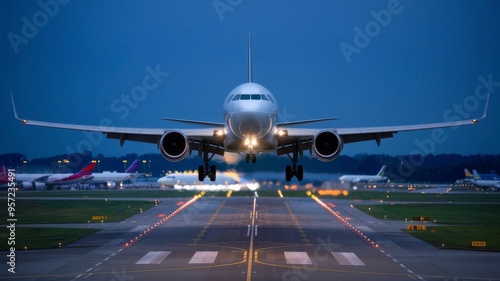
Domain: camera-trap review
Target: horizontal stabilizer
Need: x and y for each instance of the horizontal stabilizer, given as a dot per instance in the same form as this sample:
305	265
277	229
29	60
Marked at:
306	121
204	123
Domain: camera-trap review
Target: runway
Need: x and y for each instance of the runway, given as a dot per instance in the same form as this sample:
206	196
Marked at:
253	238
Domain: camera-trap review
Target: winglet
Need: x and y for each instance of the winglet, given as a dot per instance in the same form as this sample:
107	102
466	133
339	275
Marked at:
14	107
475	121
486	106
249	59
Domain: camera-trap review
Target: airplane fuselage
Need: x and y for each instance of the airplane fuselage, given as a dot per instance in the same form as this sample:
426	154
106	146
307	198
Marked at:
250	115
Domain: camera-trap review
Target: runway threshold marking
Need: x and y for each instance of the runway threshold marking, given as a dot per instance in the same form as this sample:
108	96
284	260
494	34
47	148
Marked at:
204	257
297	258
347	258
154	257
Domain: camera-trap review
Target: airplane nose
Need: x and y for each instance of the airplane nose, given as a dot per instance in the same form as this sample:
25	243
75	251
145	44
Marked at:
250	125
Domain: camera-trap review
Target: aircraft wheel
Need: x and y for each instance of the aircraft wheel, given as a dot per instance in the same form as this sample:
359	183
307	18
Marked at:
247	158
300	173
201	173
288	173
212	174
254	158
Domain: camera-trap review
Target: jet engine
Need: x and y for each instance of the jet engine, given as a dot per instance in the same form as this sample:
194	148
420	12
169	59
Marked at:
174	146
326	145
28	185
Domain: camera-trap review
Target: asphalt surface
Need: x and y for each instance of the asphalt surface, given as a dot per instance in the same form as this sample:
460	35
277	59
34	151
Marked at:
253	239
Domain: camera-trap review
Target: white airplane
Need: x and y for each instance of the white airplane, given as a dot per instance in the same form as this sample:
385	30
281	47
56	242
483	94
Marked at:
365	178
478	180
4	178
41	180
250	126
228	180
111	178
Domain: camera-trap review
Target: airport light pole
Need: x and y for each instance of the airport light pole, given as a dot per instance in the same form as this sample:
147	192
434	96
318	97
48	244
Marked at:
124	165
25	162
59	162
144	164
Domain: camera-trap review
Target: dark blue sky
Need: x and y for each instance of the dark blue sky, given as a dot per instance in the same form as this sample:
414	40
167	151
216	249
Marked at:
371	63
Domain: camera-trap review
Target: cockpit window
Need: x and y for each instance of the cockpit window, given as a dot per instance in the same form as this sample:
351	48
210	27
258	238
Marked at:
256	97
229	99
245	97
264	97
271	99
237	97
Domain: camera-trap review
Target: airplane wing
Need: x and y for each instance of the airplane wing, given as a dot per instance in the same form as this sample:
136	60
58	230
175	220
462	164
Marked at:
304	137
149	135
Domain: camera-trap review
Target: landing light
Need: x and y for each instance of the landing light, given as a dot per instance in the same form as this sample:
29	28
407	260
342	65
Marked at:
219	133
280	132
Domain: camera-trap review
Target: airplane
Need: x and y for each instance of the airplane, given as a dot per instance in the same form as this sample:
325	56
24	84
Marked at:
491	176
479	180
41	180
111	178
225	180
250	127
3	175
364	178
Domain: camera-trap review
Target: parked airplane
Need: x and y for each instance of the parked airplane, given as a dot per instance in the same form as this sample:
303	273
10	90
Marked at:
250	126
365	178
111	178
479	180
40	180
225	180
3	175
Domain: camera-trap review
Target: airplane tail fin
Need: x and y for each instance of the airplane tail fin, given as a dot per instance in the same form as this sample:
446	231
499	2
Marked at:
249	59
87	170
468	175
476	175
3	174
133	167
382	171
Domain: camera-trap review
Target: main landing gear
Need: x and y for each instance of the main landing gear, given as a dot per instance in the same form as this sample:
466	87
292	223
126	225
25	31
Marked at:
207	170
251	157
294	170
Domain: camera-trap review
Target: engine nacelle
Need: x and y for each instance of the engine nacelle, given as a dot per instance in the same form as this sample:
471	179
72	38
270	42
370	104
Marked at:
174	146
32	185
326	145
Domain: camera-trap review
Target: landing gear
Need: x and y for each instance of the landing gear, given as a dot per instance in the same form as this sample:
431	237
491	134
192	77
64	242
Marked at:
294	170
251	157
207	170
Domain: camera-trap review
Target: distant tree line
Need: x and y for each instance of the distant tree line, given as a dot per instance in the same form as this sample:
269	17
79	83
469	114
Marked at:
432	168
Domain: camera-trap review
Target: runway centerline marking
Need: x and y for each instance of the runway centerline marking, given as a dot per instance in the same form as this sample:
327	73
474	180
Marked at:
250	247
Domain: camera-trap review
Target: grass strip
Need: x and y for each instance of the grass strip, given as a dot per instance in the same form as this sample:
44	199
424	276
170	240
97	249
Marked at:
43	238
29	211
